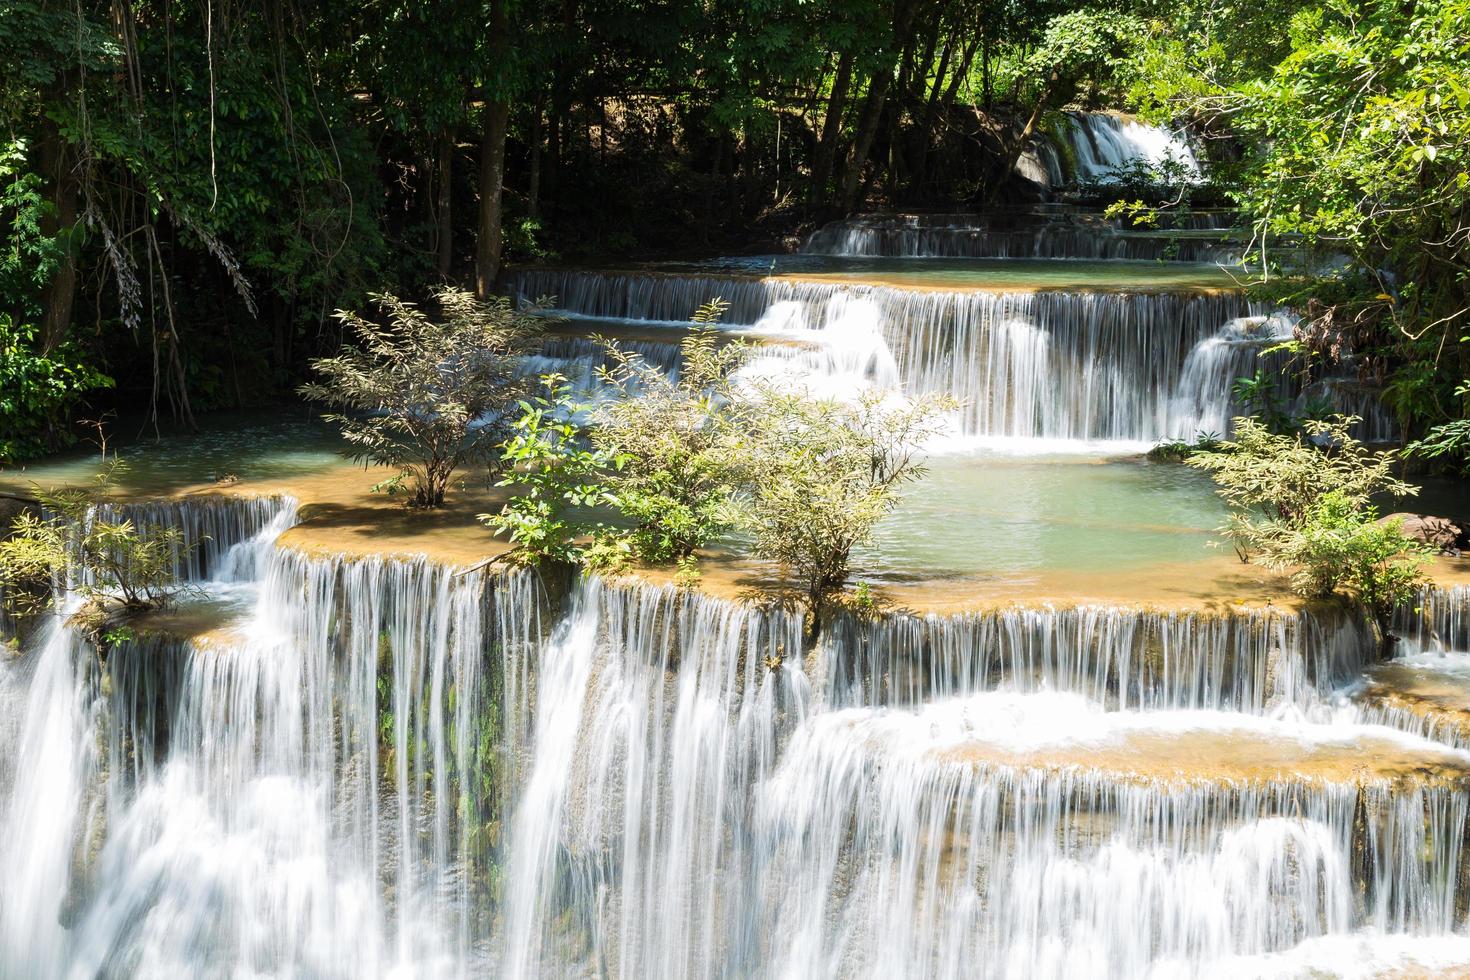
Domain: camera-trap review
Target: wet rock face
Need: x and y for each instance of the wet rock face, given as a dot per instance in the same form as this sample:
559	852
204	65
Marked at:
1450	537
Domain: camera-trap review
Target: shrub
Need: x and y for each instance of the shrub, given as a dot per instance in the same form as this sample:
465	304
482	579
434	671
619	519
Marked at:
114	564
551	474
1304	508
1449	441
1284	476
38	391
1178	450
427	396
677	483
1341	547
820	476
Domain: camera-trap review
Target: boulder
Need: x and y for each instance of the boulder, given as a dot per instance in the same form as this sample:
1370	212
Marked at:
1450	537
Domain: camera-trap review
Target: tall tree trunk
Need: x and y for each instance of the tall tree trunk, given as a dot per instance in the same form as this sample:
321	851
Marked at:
939	106
495	120
443	223
1012	152
58	169
863	141
831	129
873	106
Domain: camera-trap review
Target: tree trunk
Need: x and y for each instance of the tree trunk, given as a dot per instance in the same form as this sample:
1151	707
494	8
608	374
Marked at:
939	106
495	120
57	165
873	106
1013	152
444	226
831	129
867	130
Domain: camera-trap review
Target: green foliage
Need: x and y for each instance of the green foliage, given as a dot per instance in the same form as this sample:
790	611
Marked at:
821	474
109	560
1354	122
677	482
1283	476
1304	508
687	575
427	396
554	478
1079	52
1341	547
1448	440
39	391
1179	450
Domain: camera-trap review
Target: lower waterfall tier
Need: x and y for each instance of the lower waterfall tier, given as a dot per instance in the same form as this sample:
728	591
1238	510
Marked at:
393	768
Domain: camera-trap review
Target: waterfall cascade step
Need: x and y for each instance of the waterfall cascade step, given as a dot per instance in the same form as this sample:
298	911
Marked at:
393	766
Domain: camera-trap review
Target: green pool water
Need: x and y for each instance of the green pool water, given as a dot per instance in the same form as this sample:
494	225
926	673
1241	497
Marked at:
990	513
251	446
980	512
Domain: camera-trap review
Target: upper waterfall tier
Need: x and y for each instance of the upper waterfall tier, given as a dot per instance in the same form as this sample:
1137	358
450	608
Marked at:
1052	364
1097	145
1198	237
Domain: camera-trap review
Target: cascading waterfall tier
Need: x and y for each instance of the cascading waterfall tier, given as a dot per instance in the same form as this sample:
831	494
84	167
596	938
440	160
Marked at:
1051	364
316	797
971	236
1035	835
1249	660
398	768
1099	144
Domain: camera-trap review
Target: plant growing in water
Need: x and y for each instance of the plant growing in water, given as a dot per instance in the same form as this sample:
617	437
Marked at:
427	396
1178	450
673	434
116	565
1305	509
552	473
821	474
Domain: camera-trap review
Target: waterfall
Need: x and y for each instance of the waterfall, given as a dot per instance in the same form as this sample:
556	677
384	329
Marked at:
396	768
1437	620
656	719
1251	661
1053	364
1205	402
309	798
1101	143
971	236
974	838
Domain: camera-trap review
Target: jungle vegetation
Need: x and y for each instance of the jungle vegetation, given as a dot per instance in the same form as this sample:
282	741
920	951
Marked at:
189	190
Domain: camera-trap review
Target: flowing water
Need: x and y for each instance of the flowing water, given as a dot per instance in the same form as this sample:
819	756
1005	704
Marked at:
332	767
392	769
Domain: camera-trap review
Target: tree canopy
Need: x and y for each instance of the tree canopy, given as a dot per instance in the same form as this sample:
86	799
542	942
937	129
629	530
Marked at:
189	190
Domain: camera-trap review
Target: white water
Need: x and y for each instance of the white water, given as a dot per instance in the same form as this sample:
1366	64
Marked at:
1100	143
1061	236
389	770
1057	366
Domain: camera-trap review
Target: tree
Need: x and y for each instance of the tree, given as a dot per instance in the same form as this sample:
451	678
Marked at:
427	396
821	474
677	482
1351	123
1285	475
1341	547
